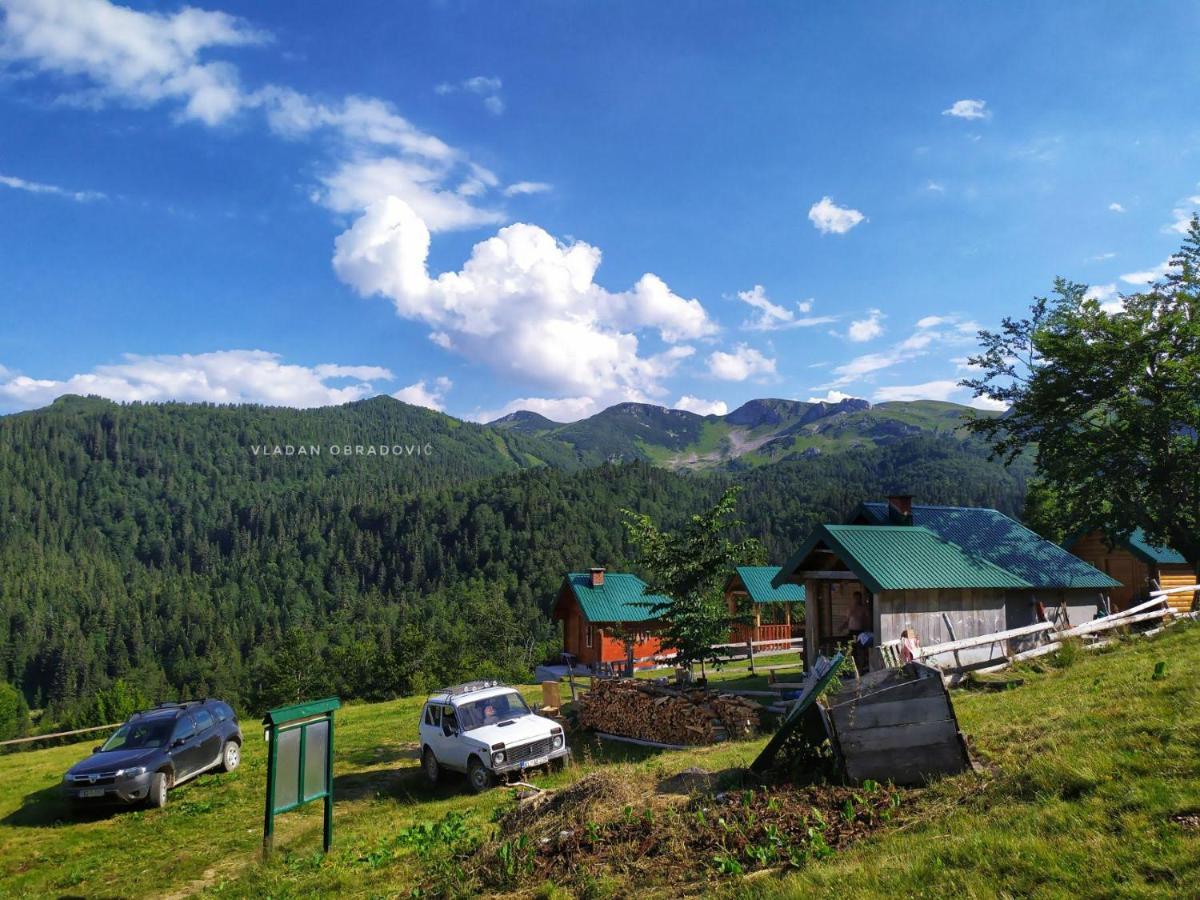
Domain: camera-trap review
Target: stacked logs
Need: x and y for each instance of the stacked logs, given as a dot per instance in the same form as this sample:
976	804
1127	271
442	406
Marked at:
666	715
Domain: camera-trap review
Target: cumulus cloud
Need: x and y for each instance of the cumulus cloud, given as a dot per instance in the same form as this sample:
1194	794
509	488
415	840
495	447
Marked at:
829	218
39	187
701	407
1116	207
744	362
422	393
830	397
521	188
484	86
1106	294
930	390
133	57
1148	276
224	376
770	316
524	304
1182	215
557	409
862	330
968	109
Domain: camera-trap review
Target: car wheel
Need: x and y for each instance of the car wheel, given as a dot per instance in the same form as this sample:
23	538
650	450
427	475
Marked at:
559	764
158	790
433	771
479	776
231	756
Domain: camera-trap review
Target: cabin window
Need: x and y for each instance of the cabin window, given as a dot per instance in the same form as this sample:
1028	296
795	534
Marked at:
588	636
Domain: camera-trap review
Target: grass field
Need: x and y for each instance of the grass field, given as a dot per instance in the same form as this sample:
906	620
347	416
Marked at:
1091	787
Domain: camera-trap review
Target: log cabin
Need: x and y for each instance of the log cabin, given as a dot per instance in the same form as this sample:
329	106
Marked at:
1138	565
946	572
778	611
602	614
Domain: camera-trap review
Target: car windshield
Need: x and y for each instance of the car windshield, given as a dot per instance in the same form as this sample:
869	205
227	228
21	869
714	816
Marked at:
491	710
140	735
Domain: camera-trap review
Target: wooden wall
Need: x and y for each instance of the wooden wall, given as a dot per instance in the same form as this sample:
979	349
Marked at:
1177	576
1117	563
605	647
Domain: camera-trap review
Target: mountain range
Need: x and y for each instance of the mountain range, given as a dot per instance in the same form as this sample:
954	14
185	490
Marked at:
757	433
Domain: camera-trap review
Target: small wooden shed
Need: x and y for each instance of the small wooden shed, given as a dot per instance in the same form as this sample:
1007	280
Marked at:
1138	565
778	611
602	612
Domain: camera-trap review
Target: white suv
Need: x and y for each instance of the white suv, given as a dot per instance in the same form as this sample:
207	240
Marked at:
486	730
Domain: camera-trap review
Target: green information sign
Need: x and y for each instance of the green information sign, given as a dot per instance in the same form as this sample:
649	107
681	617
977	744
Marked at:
299	762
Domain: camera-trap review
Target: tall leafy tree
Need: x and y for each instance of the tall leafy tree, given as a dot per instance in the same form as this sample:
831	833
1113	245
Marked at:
1109	401
689	568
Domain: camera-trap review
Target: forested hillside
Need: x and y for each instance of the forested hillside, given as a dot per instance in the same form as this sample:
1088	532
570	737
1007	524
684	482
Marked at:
152	544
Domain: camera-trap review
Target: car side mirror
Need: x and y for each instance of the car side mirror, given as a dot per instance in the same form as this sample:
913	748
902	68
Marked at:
178	742
96	749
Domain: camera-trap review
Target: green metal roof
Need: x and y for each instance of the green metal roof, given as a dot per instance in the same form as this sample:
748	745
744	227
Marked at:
622	598
988	534
281	715
757	580
902	557
1139	546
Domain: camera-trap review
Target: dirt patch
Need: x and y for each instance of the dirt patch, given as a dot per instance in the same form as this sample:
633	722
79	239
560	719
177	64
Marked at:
1187	821
607	826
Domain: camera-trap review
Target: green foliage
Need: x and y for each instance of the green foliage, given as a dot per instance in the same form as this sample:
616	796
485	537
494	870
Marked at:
148	543
14	714
689	568
1110	400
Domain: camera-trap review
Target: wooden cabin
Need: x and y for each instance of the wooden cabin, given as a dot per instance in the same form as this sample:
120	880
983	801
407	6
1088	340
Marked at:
899	559
602	612
1138	565
778	611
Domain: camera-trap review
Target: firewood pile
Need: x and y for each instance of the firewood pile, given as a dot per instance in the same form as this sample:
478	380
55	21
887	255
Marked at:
666	715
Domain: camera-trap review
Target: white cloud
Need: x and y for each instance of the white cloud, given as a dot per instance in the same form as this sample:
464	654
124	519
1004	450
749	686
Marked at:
526	187
931	331
1116	207
557	409
38	187
867	329
1182	215
829	218
936	186
987	403
744	362
356	184
701	407
1148	276
133	57
431	396
524	304
831	397
1107	296
930	390
224	376
772	317
486	87
1101	257
968	109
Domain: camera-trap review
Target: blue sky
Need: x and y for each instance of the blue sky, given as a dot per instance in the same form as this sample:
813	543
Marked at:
557	206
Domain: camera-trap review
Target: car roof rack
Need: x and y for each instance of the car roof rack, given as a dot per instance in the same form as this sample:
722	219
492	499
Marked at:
169	704
468	687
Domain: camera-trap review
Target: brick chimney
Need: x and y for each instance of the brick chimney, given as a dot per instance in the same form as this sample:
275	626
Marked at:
900	509
597	576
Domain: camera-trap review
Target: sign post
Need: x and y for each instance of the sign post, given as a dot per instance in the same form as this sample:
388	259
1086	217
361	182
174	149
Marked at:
299	762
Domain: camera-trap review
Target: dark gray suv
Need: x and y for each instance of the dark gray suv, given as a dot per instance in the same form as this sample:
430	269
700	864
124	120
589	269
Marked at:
156	750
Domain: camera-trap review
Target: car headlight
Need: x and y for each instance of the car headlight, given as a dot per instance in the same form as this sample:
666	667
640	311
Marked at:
498	758
131	772
67	777
558	741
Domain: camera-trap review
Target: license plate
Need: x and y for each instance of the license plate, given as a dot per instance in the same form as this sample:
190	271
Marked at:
532	763
92	792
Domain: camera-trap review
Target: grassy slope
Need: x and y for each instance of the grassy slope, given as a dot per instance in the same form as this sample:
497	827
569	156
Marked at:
1088	766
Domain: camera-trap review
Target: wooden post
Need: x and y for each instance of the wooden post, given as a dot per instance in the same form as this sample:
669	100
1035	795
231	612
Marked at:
950	631
269	815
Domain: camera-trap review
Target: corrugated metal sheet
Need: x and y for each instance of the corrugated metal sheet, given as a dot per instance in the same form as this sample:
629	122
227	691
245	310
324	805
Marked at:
990	535
622	598
903	557
757	580
1163	555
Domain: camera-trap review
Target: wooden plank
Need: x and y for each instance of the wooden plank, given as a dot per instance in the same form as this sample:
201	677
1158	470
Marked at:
915	737
884	766
905	690
628	740
980	640
879	715
58	734
1112	622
